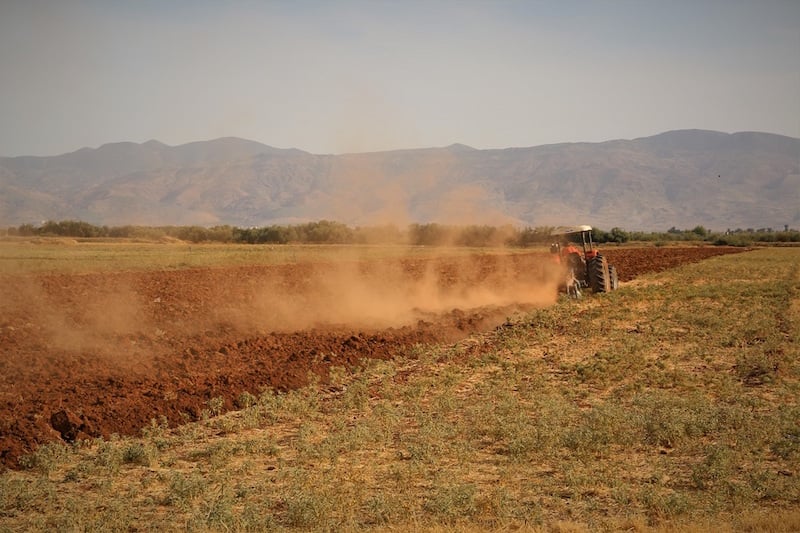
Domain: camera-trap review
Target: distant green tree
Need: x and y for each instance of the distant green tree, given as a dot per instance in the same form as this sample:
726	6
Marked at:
599	235
326	231
220	233
528	235
72	228
476	236
26	230
244	235
192	233
275	234
431	234
618	235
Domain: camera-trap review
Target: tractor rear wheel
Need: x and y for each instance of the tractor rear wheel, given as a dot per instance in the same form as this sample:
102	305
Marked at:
599	276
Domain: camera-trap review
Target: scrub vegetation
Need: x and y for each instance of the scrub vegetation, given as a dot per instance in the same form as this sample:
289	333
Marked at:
428	234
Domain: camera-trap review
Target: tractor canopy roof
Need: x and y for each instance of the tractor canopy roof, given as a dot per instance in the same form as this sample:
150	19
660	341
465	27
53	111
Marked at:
566	230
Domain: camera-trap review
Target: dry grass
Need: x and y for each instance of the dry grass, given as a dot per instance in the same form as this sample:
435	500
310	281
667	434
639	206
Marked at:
670	405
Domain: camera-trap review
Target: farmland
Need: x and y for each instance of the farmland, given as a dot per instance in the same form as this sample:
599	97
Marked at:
401	390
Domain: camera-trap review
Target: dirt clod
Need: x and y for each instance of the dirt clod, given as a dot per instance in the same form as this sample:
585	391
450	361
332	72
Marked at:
67	424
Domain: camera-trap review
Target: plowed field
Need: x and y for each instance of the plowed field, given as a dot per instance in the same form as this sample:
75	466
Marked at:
87	355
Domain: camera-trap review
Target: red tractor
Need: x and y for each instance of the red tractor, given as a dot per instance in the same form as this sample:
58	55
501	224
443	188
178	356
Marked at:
586	267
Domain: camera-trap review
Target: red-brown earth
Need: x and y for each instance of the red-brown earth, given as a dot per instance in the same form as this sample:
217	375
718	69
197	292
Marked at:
88	355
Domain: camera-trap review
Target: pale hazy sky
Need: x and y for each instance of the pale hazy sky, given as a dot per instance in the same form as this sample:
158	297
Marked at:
345	76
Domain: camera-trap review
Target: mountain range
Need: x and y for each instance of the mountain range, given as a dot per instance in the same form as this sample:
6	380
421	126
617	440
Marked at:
678	179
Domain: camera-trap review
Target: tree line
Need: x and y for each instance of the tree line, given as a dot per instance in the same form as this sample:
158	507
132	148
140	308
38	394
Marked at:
429	234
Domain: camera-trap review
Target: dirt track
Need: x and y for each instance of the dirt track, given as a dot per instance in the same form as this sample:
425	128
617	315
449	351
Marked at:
95	354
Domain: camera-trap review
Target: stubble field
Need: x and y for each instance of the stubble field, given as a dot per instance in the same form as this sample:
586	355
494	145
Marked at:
392	392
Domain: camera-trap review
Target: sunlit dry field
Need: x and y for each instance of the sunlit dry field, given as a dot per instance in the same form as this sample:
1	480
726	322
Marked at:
458	392
66	255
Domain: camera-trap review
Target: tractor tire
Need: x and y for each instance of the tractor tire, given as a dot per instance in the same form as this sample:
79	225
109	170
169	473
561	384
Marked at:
612	274
599	276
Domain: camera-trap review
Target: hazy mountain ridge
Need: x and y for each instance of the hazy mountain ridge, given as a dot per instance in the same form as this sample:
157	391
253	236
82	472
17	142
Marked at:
679	178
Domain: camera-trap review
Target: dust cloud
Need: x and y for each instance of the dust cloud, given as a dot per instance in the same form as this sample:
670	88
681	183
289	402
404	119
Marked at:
73	315
383	294
128	318
383	192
